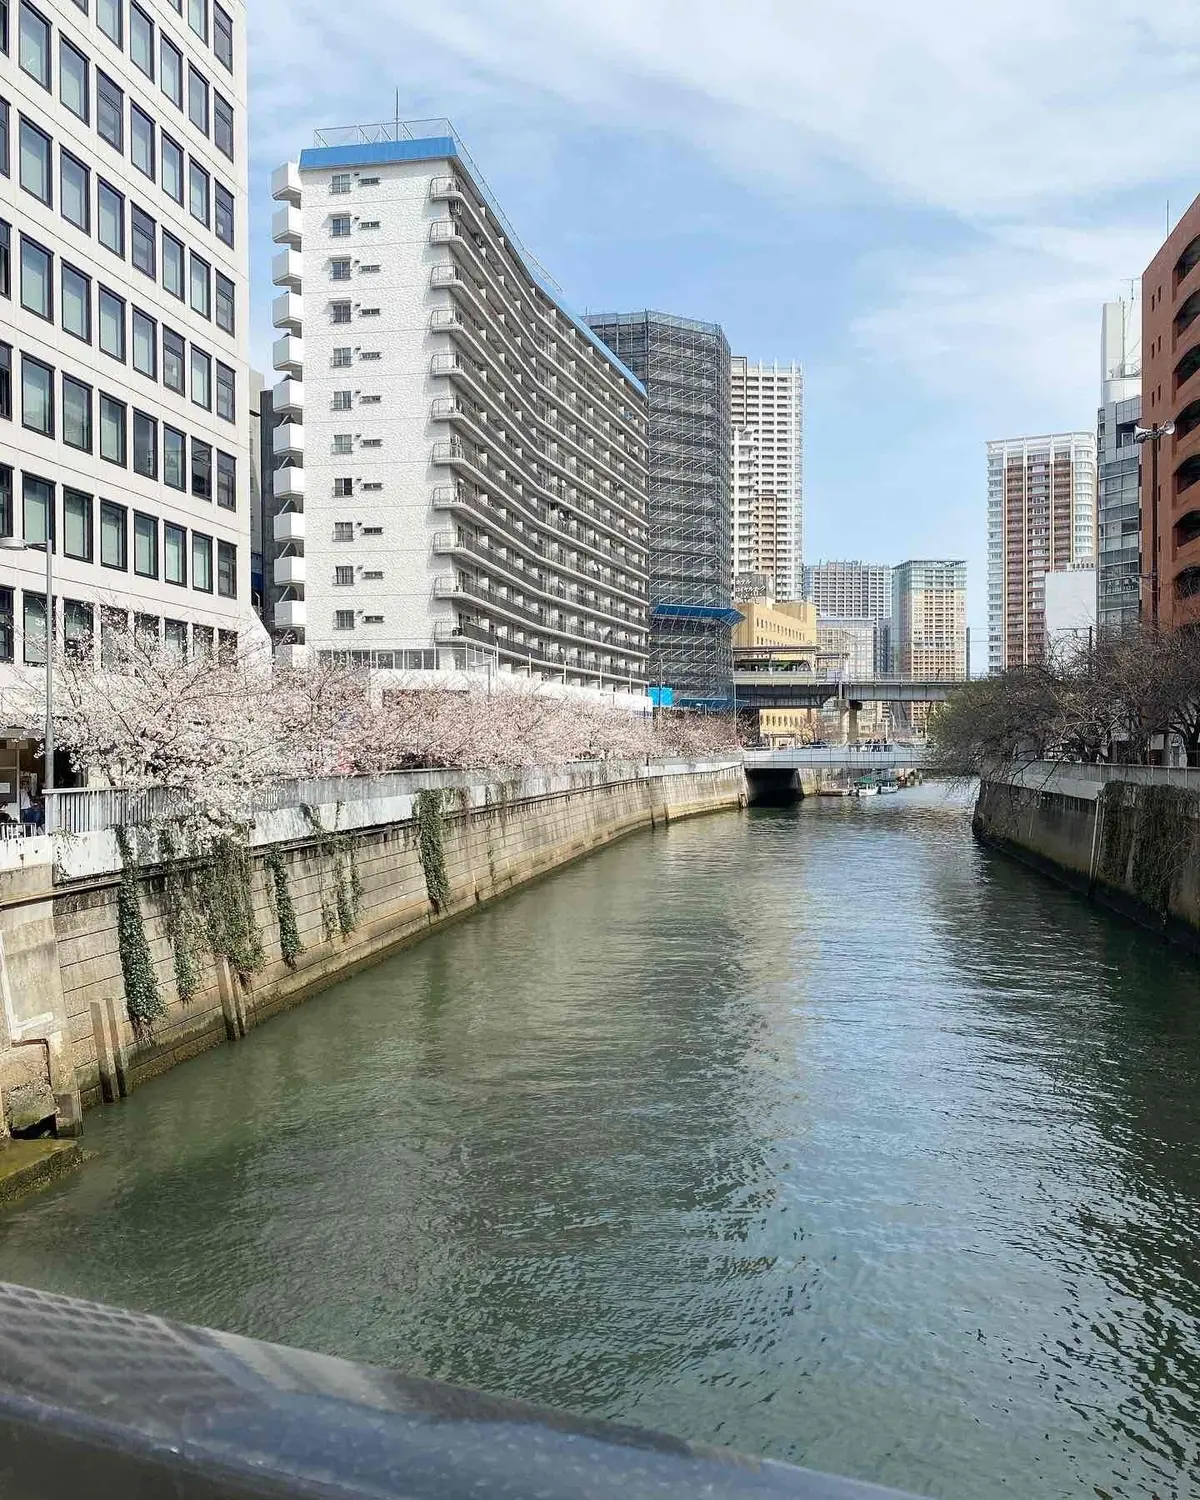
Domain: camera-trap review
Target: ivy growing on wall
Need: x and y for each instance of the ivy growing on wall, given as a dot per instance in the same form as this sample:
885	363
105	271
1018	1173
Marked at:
337	857
430	824
290	946
143	1001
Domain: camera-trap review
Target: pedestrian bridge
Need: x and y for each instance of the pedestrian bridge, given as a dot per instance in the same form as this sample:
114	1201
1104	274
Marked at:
839	758
780	688
777	776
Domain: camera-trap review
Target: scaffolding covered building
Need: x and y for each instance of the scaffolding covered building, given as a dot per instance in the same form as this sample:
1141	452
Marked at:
685	366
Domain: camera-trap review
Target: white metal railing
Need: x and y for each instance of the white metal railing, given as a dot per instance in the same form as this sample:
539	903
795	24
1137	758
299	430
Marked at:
86	810
1047	774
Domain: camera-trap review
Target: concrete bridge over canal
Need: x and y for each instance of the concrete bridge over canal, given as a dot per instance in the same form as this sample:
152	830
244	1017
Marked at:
779	775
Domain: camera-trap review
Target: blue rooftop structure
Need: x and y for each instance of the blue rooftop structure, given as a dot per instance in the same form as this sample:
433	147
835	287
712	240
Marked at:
445	146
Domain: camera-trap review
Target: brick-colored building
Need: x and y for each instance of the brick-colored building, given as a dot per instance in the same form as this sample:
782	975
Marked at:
1171	392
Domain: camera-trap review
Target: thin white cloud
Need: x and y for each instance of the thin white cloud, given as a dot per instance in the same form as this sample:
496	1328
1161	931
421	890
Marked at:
1014	119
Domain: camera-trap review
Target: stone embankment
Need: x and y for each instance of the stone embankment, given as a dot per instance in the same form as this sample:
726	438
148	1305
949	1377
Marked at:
1128	836
87	920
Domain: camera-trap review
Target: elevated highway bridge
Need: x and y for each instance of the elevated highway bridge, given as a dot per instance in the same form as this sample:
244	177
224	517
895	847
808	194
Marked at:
777	687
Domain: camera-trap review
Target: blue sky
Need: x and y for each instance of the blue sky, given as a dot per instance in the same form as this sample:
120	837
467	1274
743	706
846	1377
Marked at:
926	205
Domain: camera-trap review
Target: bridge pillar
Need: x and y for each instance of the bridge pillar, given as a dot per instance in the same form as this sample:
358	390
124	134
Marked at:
852	722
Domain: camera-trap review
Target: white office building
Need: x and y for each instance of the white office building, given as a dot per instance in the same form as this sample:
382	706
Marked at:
124	402
461	463
767	402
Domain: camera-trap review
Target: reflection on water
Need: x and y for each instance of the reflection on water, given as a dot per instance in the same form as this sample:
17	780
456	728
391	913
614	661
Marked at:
819	1132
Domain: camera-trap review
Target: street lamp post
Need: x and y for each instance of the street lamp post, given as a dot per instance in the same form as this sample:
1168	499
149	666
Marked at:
1154	436
15	544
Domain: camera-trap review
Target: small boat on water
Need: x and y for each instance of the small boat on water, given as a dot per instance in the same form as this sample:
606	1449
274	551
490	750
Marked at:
835	791
867	789
886	787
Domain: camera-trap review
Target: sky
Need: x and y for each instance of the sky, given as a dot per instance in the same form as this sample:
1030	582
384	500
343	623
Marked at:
925	205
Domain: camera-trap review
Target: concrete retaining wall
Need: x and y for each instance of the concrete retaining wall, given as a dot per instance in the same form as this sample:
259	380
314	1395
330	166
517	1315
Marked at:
495	837
1064	823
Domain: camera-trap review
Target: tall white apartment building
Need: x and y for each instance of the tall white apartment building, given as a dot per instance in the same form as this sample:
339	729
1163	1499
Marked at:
1041	518
462	463
124	401
767	407
850	590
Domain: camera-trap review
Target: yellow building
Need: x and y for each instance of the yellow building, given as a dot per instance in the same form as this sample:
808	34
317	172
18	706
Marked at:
767	624
787	635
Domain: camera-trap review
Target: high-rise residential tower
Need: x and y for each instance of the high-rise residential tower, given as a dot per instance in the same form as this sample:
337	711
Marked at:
768	473
461	463
855	590
1041	516
684	365
1118	508
1171	394
929	619
124	390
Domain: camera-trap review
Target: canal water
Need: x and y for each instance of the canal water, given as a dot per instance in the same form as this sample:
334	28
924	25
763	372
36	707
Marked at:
819	1132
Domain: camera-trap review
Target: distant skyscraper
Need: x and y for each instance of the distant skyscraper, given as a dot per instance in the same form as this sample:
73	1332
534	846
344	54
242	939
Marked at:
1041	515
684	365
1119	555
929	619
768	473
850	590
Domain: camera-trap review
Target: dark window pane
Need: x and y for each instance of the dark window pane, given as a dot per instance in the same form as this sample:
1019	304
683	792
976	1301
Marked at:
33	44
201	470
110	218
37	396
145	445
223	124
37	497
73	80
172	169
35	162
141	141
37	279
74	181
113	425
143	235
76	414
110	19
77	525
112	324
175	459
202	563
145	545
227	570
223	213
225	303
173	362
171	71
226	481
112	535
174	554
141	40
110	111
145	344
77	303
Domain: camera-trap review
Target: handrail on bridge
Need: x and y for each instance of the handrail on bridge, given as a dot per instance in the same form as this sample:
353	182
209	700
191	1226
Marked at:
97	1401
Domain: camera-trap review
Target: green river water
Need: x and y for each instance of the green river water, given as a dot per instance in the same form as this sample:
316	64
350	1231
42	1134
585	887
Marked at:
819	1132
